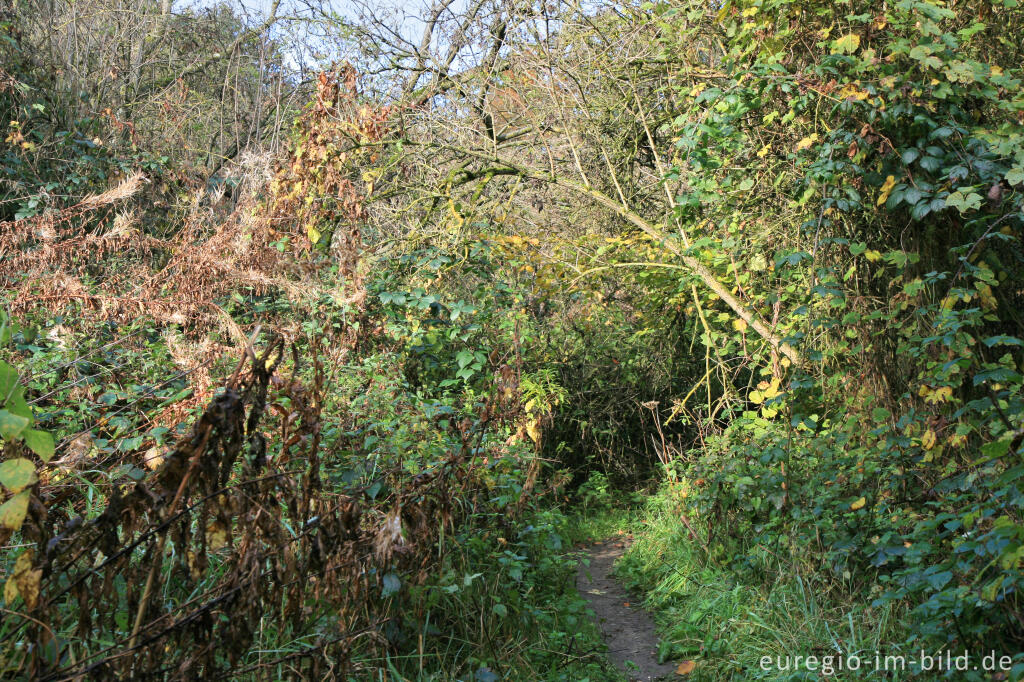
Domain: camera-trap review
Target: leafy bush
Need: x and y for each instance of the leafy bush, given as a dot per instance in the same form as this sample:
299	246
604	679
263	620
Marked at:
893	173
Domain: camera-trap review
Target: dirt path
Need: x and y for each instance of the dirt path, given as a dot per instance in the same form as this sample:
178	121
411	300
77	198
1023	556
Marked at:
628	630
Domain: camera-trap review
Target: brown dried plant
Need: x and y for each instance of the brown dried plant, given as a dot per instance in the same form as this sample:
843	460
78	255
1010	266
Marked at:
181	572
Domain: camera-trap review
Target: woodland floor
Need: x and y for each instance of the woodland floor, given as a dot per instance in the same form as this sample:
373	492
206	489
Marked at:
627	629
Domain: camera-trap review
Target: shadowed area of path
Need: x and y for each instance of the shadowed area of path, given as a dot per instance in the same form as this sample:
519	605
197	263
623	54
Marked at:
627	629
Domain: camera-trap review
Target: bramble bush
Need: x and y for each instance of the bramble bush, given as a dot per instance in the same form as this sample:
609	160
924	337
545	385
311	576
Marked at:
880	158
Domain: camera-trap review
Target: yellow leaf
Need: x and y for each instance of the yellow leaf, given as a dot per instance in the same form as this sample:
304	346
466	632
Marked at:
11	587
686	667
887	186
749	12
988	300
764	151
872	255
807	142
697	89
739	325
533	430
851	91
17	474
928	439
859	504
768	390
847	44
313	233
24	581
12	512
217	535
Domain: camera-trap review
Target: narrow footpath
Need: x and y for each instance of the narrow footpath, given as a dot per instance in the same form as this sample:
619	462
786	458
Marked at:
627	629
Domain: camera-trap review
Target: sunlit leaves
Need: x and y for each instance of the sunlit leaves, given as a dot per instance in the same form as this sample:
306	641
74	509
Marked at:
935	395
765	391
964	202
807	142
847	44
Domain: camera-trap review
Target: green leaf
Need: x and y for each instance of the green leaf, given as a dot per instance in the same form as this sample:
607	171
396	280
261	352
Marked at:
464	357
11	425
920	52
910	155
39	442
391	584
962	203
499	610
12	512
16	405
995	449
17	474
8	380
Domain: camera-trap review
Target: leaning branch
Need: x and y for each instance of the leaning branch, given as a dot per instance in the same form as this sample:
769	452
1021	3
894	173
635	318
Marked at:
692	264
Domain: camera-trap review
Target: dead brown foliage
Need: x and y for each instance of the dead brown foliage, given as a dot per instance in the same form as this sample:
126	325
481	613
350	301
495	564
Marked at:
233	533
45	260
318	195
96	257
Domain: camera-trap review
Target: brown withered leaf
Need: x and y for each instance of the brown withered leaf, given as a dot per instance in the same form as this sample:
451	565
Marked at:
217	535
686	667
24	581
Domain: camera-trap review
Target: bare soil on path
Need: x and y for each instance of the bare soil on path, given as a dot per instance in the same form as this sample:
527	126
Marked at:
628	630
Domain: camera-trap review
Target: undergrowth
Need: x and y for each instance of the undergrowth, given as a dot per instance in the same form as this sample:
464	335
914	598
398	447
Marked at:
752	623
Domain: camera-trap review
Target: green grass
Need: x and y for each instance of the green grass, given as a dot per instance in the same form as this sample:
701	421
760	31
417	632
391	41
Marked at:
712	615
601	524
